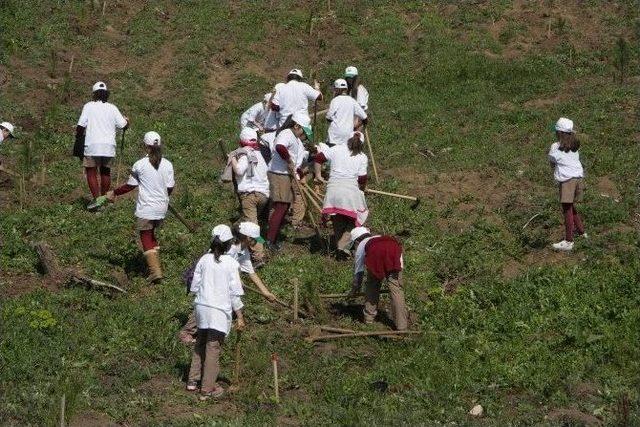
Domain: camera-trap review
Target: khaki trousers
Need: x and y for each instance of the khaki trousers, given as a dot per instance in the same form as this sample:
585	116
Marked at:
252	205
398	310
297	208
205	362
342	226
191	327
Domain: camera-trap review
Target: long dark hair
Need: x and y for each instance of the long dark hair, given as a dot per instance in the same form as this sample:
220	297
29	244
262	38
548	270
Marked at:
354	144
353	83
218	247
288	124
101	95
155	155
294	77
568	142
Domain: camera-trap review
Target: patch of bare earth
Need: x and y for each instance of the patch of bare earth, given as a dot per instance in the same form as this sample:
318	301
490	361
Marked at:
572	416
542	258
92	419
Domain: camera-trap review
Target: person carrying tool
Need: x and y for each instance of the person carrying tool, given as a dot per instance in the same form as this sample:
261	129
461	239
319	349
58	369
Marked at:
344	114
382	258
568	173
250	171
344	200
260	116
245	235
217	288
153	176
294	96
96	140
356	90
282	170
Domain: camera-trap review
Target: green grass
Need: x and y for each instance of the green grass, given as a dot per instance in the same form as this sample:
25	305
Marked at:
525	328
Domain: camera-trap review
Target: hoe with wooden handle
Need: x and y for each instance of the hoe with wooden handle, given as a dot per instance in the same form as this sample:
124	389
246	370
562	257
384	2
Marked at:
416	200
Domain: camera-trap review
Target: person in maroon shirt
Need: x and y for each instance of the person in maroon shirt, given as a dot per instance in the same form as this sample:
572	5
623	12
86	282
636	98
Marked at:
382	258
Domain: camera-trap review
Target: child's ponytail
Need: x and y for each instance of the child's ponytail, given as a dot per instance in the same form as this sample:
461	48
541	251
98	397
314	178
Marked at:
218	247
568	142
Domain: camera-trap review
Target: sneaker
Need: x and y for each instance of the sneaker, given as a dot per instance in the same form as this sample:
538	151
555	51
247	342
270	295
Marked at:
563	246
192	385
273	247
213	394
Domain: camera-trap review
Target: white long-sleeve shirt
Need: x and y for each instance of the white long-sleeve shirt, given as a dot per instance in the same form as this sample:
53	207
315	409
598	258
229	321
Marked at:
362	96
253	115
566	165
342	111
217	289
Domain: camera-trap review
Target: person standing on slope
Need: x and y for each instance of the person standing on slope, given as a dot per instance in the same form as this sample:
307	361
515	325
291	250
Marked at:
344	114
569	174
153	176
97	126
260	116
344	200
217	288
294	96
282	170
356	90
381	256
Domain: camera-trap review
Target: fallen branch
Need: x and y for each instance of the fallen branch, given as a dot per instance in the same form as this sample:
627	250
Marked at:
95	283
348	295
361	334
531	219
337	330
301	312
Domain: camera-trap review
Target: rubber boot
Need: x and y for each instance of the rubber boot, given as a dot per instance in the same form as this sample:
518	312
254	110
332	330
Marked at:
153	262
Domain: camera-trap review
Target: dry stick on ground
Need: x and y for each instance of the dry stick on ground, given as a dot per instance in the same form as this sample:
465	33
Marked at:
280	302
531	219
295	299
307	192
50	265
361	334
373	160
315	196
337	330
276	389
347	295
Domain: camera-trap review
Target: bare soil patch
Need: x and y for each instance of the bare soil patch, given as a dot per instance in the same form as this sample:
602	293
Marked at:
572	416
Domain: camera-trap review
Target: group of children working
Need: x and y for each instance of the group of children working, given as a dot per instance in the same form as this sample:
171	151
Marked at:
277	151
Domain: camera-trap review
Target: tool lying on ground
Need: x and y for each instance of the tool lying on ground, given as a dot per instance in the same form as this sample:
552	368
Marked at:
373	160
315	334
348	295
179	217
399	196
301	312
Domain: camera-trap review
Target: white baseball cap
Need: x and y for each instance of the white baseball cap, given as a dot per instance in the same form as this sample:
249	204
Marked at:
350	71
564	125
296	72
99	86
360	136
303	120
340	84
152	138
223	232
267	97
358	232
8	126
251	229
248	134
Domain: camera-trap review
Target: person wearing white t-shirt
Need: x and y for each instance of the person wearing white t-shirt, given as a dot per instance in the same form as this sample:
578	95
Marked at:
356	90
250	171
282	169
344	114
6	132
568	173
218	291
294	96
260	116
97	126
344	200
153	176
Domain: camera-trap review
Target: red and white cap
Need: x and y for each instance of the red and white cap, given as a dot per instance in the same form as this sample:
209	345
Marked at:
358	232
99	86
296	72
564	125
340	84
152	138
222	232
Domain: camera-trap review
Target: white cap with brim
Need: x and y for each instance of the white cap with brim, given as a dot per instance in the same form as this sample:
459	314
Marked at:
152	138
99	86
222	232
296	72
304	121
8	126
340	84
358	232
252	230
350	71
564	125
248	134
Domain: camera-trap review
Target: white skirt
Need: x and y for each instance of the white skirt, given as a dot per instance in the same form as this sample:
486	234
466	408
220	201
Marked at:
344	197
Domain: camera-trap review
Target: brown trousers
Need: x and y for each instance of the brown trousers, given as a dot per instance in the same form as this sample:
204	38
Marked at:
398	311
205	362
191	327
342	226
297	208
251	207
